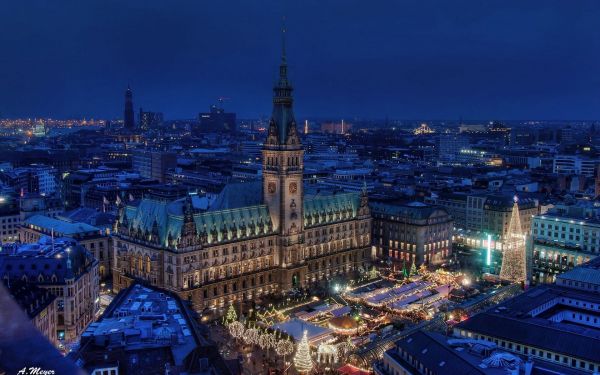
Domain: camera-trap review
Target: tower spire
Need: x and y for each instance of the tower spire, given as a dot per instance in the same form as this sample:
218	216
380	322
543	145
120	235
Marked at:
283	30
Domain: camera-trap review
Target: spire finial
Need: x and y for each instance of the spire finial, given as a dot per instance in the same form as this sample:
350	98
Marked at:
283	30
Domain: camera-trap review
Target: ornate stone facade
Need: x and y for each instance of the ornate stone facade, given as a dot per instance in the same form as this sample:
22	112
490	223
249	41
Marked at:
214	257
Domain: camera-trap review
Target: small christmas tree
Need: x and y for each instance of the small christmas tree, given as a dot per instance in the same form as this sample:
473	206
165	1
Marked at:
302	360
413	269
231	315
373	273
404	270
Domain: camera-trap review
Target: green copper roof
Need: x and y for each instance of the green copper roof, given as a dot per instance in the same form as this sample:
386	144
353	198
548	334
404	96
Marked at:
148	218
327	209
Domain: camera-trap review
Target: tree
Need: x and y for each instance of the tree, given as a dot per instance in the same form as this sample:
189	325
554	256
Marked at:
284	348
251	336
413	269
236	329
231	316
302	360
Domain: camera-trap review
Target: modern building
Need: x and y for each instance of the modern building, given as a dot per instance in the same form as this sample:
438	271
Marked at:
147	331
10	216
92	238
449	146
257	239
150	120
554	324
39	304
63	267
128	115
575	164
411	233
217	121
154	164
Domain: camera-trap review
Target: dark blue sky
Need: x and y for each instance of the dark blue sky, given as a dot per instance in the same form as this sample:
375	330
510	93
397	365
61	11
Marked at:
509	59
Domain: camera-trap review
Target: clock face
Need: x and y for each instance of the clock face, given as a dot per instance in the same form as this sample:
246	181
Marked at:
293	187
272	187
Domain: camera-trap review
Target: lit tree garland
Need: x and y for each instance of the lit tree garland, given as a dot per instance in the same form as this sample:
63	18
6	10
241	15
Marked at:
302	360
272	340
251	336
263	341
284	347
236	329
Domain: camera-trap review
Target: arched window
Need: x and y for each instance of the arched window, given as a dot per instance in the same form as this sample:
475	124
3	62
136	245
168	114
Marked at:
148	264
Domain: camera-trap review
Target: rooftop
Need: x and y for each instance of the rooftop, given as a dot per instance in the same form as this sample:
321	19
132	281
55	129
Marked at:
61	227
521	319
144	318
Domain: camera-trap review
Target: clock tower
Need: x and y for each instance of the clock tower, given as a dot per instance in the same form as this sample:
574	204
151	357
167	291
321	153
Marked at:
283	165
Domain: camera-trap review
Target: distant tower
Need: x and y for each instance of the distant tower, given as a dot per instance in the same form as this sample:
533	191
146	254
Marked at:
514	261
305	126
128	119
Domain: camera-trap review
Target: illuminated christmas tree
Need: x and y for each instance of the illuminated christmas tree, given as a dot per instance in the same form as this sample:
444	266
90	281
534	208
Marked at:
413	269
302	360
514	263
231	315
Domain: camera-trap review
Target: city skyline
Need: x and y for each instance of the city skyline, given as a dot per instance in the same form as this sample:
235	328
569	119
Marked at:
509	61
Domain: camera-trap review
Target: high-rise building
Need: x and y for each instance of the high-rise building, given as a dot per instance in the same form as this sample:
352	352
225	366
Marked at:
154	164
128	116
217	121
256	239
449	146
149	120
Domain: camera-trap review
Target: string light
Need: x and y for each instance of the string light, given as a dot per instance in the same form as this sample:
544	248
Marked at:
514	266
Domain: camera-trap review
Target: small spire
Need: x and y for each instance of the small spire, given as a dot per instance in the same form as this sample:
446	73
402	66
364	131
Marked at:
283	30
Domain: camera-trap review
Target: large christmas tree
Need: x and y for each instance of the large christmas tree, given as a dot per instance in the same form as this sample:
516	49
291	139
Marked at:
302	360
514	264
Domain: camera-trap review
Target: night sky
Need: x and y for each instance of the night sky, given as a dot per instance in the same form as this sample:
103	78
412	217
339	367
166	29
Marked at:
418	59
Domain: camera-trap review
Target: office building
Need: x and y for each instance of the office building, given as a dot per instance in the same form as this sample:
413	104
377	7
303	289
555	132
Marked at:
563	238
412	233
128	115
575	164
154	164
149	120
217	121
